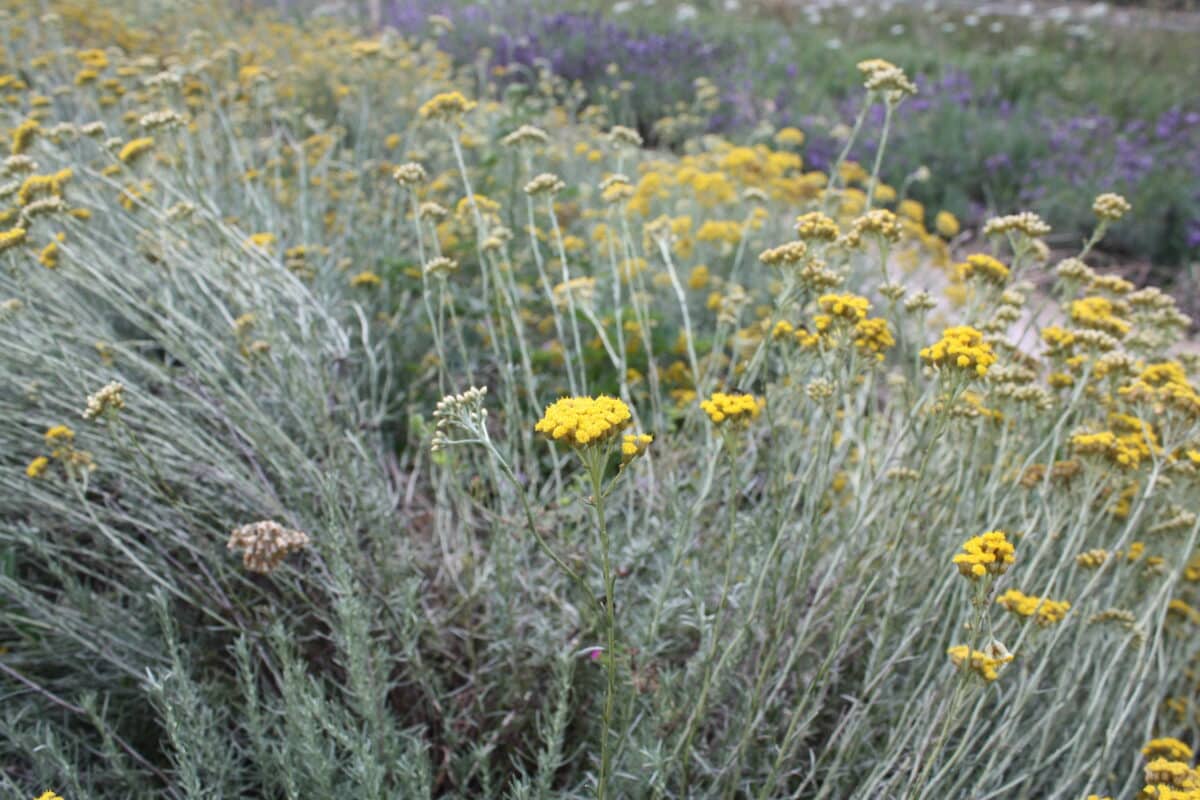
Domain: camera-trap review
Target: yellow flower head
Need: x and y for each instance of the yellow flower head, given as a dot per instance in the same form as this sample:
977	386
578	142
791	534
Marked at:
739	409
261	241
1169	748
984	664
11	238
366	279
446	106
1162	772
946	224
984	267
59	434
583	421
634	445
789	137
1099	313
135	149
815	226
23	134
789	253
852	308
37	467
961	347
873	335
1132	442
1045	611
989	554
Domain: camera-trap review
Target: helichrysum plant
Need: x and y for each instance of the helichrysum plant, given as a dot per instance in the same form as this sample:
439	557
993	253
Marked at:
782	485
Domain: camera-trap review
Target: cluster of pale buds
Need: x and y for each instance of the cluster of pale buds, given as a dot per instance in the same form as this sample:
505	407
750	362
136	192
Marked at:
463	411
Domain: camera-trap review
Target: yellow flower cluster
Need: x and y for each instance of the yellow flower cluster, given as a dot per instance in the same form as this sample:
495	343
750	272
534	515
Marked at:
739	409
1133	442
1167	747
446	106
815	226
946	224
366	279
11	238
582	421
1058	340
1164	385
961	347
984	267
61	441
873	335
37	186
37	467
135	149
988	554
985	665
789	253
1045	611
849	307
880	223
634	445
261	241
718	230
1098	313
1170	779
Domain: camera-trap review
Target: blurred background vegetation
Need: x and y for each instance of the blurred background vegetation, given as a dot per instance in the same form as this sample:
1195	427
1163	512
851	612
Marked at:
1023	104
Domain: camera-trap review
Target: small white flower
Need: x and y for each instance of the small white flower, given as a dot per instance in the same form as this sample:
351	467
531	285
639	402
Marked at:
685	13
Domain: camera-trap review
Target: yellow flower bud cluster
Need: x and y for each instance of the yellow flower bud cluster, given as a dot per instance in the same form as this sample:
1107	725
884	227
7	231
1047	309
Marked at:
739	409
582	421
852	308
961	347
880	223
1045	612
1170	780
446	106
815	226
1167	747
985	665
789	253
1099	313
988	554
873	335
634	445
1165	385
984	267
1133	442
